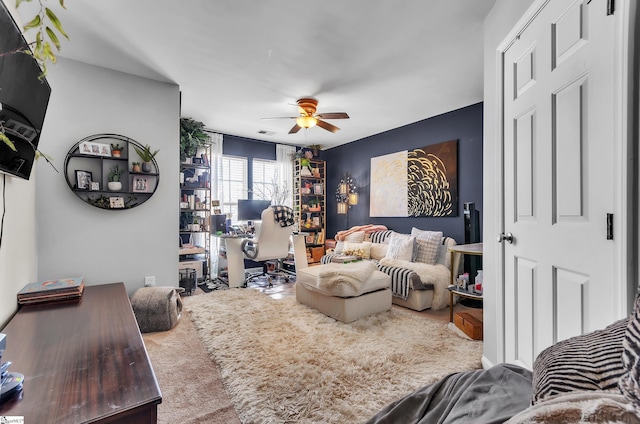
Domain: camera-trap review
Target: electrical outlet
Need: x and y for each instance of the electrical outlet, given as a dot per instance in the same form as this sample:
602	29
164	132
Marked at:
149	281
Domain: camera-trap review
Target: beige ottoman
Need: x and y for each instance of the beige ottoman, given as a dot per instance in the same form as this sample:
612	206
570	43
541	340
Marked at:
342	300
156	308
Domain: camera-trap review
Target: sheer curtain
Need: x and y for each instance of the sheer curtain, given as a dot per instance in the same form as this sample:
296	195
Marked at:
216	194
284	153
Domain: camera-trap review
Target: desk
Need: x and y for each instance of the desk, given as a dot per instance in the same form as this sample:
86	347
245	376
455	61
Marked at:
463	249
235	258
83	361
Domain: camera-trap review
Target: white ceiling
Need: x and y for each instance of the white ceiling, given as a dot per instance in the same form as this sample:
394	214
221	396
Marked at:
386	63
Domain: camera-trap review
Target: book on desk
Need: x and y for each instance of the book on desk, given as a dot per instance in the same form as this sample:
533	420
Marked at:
51	290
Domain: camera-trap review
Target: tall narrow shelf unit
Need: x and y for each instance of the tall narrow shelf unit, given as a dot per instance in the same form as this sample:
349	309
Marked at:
195	216
309	204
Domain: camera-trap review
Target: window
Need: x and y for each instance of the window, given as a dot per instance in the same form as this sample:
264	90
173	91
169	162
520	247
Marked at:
234	184
264	184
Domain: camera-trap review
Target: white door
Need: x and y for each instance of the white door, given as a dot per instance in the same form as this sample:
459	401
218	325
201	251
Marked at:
559	150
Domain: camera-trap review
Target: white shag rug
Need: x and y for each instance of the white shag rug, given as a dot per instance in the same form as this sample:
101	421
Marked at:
283	362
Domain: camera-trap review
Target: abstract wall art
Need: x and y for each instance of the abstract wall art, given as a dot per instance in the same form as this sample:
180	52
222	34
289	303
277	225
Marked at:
419	182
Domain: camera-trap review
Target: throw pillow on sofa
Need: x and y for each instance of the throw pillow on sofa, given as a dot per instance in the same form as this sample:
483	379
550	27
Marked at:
355	237
361	250
629	383
401	247
428	245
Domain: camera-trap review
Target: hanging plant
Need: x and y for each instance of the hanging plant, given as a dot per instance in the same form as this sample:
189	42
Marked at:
192	137
47	24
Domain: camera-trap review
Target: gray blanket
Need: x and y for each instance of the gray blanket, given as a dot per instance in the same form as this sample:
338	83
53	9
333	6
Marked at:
480	396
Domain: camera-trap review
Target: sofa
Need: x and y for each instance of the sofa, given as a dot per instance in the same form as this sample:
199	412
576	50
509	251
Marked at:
419	263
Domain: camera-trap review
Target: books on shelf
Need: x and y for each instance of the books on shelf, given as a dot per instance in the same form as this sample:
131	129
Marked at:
51	290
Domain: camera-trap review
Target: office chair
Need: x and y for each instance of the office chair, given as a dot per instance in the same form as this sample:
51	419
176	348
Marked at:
271	241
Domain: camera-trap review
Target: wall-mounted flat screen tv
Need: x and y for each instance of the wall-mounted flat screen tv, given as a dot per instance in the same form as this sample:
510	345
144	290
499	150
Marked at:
23	98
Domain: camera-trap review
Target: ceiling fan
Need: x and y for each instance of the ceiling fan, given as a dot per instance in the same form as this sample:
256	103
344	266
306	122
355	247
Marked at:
309	118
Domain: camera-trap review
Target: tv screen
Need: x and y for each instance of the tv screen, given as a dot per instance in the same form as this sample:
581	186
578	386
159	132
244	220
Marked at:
23	98
251	210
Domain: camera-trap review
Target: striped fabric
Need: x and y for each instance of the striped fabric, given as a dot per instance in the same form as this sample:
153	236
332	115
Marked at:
401	278
587	362
380	236
629	384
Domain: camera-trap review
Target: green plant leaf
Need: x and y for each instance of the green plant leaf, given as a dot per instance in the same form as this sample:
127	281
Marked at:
35	22
53	37
20	1
62	4
47	50
8	142
55	21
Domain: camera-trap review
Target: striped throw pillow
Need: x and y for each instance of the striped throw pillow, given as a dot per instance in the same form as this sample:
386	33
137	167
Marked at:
591	361
629	384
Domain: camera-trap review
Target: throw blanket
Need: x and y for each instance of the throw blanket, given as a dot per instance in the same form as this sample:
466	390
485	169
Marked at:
283	215
482	396
438	275
369	228
352	274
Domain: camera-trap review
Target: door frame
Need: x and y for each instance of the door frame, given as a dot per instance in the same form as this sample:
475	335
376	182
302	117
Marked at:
625	229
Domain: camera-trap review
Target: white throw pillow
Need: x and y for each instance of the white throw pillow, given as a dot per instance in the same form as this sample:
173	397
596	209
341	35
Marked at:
379	250
361	250
401	247
428	243
339	246
356	237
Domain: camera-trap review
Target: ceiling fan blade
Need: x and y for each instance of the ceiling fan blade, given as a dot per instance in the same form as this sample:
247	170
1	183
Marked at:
279	117
327	126
295	129
333	115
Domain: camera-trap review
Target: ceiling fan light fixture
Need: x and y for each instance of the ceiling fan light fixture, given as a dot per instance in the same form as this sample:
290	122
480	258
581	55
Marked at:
306	121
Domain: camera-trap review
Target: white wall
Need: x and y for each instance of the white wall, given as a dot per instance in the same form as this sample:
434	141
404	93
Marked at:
17	253
502	18
76	239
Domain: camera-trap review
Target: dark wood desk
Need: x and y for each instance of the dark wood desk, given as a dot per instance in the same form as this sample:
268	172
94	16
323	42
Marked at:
83	361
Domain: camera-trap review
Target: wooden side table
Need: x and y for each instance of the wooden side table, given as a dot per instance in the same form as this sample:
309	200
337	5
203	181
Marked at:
474	249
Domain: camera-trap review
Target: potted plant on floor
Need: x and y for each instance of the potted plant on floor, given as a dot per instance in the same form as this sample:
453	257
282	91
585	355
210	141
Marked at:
114	176
147	156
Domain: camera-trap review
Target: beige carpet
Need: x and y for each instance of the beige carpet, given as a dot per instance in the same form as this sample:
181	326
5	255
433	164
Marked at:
282	362
192	391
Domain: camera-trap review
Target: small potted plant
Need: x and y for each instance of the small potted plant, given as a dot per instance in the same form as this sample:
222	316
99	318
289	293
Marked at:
114	176
116	150
136	167
314	205
315	149
147	156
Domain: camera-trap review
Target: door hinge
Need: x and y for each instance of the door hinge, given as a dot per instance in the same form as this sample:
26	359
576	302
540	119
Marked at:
611	7
609	226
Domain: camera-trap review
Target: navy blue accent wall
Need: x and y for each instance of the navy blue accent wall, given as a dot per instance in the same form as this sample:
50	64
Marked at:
464	125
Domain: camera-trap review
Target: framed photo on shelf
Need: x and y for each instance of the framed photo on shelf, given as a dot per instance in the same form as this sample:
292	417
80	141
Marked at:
83	179
116	202
316	221
310	238
317	189
95	149
95	186
140	184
